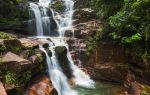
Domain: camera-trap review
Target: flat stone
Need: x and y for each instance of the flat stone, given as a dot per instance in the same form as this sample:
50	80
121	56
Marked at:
32	42
15	63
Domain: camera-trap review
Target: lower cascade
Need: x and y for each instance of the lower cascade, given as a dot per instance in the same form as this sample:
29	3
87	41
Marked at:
58	78
43	26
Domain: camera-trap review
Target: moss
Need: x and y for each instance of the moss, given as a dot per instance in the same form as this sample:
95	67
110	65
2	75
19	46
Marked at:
145	90
4	35
3	48
61	49
18	81
58	6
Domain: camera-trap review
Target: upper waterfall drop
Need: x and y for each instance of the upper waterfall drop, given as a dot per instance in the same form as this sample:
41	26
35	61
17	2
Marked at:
38	18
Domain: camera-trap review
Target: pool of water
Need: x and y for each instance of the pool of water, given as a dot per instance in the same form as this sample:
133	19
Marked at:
101	88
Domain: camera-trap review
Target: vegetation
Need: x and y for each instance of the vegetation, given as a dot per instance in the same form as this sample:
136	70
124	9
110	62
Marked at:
126	22
11	12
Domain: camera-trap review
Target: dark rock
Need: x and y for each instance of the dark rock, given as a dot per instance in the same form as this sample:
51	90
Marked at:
61	54
49	52
61	50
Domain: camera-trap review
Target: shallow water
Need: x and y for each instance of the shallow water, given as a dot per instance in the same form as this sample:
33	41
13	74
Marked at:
101	88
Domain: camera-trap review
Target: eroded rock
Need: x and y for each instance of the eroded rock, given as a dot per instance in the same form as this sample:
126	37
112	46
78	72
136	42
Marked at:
15	63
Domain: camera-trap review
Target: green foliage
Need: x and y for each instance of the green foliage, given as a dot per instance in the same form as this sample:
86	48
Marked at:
4	35
58	6
126	22
131	39
145	90
106	8
10	78
3	48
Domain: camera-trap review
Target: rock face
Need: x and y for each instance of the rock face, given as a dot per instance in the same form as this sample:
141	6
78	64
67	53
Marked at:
41	86
2	89
111	72
15	63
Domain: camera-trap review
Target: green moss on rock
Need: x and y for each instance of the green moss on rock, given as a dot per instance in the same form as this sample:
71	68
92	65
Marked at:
145	90
4	35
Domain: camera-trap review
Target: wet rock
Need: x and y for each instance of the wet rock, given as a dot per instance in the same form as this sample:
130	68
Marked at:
61	54
2	89
49	52
61	50
36	56
15	63
41	85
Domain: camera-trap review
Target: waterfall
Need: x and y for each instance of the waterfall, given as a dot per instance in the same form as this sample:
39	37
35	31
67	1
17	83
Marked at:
81	78
41	18
38	18
58	79
64	22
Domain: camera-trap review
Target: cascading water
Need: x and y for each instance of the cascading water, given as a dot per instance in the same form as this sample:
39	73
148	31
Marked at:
41	18
64	22
37	13
58	79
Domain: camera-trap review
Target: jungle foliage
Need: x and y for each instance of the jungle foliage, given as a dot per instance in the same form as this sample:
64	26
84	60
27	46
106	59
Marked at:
126	22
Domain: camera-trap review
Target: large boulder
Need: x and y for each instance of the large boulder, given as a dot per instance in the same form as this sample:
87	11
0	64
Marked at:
15	63
2	89
41	85
33	42
61	54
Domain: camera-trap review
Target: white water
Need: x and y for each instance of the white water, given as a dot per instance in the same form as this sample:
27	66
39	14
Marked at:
64	22
38	18
81	78
58	79
41	18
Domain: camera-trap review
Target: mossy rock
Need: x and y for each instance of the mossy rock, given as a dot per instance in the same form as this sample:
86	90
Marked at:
61	49
4	35
145	90
13	45
58	5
